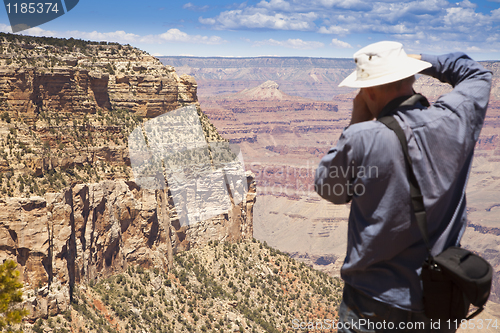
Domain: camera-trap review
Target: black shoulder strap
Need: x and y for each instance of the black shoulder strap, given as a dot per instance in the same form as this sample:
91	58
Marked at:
417	199
403	101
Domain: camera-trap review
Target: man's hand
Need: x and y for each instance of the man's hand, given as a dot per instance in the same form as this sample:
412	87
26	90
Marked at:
415	56
360	111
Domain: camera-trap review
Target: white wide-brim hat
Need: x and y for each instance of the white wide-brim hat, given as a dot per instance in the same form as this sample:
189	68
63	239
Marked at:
381	63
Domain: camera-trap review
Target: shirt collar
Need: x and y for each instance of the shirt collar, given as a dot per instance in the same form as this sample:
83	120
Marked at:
408	100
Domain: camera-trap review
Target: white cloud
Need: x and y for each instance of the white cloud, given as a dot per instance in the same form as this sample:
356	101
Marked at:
190	6
493	38
298	44
209	21
5	28
473	49
261	18
467	4
458	16
119	36
315	5
341	44
276	5
333	29
175	35
393	29
36	31
495	14
360	5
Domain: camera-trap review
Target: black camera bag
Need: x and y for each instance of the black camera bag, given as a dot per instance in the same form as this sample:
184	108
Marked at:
452	281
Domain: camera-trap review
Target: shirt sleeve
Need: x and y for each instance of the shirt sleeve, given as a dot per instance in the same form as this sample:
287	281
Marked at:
471	83
334	175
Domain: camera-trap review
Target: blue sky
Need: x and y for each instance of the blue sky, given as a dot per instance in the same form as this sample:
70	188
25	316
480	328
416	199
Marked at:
317	28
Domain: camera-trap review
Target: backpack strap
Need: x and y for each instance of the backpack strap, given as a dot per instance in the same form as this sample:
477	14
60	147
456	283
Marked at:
403	101
417	200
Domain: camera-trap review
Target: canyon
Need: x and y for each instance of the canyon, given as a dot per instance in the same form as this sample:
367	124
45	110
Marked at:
79	219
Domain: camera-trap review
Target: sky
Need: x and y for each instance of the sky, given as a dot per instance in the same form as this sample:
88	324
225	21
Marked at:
316	28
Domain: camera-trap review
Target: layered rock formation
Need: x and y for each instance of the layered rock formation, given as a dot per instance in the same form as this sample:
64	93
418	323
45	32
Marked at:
314	78
267	112
70	209
147	89
264	91
89	231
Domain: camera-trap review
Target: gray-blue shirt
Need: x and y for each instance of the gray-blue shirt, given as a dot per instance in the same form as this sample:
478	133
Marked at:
385	249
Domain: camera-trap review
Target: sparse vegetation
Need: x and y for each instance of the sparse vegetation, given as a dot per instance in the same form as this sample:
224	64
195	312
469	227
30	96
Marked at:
221	287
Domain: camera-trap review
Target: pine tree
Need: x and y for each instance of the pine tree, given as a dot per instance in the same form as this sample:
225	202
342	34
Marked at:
10	296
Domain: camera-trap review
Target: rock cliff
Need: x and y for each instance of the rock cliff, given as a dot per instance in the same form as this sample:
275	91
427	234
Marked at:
122	77
88	231
70	208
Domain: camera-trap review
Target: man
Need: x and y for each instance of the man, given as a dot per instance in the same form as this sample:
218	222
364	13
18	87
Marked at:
385	249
